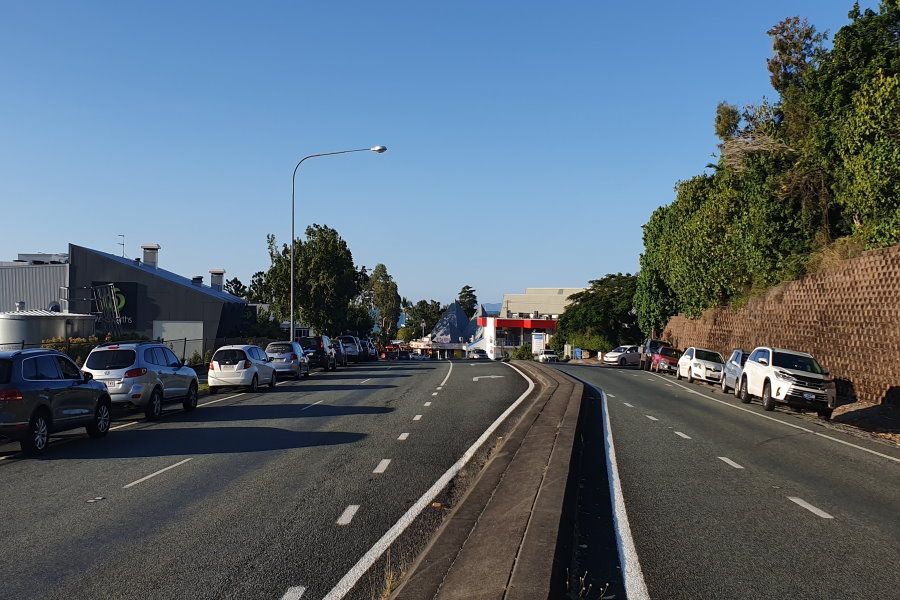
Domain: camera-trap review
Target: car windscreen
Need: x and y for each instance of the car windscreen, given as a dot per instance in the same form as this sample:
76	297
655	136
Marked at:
707	355
5	370
744	356
231	356
279	348
671	352
796	362
106	360
309	343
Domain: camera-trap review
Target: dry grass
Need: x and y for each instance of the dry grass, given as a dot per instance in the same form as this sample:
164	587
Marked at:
834	254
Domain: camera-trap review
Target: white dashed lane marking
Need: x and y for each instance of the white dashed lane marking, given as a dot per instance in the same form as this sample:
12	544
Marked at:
417	417
628	405
294	593
684	435
427	404
382	466
652	418
403	436
347	515
816	511
728	461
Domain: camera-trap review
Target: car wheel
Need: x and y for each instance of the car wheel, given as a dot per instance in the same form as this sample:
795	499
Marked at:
745	393
254	385
272	381
767	401
102	418
190	401
690	375
678	372
299	373
153	410
724	386
621	362
38	437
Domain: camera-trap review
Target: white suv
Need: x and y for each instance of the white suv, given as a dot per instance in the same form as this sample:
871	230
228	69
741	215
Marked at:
788	377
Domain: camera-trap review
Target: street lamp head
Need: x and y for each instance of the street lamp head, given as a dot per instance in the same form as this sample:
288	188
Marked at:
379	149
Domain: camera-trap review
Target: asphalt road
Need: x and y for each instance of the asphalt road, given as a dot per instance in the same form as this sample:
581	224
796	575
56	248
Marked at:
249	496
708	484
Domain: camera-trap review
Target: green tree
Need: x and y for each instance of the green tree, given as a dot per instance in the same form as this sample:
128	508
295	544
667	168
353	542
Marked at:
385	299
468	300
259	291
728	118
427	311
602	315
234	287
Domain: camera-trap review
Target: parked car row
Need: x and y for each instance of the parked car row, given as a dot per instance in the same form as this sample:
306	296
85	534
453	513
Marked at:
774	375
43	391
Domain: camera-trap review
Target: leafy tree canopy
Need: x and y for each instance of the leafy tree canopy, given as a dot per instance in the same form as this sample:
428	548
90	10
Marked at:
468	300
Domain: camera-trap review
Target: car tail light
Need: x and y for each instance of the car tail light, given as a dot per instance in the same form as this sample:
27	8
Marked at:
246	364
293	356
135	373
10	395
322	344
212	366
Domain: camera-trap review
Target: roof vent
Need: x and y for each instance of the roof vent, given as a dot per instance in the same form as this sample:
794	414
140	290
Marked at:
151	254
197	280
217	279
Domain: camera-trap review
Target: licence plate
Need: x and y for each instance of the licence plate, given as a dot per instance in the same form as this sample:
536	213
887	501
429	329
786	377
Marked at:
808	396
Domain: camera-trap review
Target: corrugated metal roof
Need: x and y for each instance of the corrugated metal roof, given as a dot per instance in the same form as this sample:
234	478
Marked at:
168	276
42	313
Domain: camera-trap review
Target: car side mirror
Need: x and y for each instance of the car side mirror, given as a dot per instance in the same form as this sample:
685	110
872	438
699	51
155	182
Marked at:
825	372
87	376
763	362
269	359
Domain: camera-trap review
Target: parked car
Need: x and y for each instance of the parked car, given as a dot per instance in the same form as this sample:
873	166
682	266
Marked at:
143	375
43	391
289	359
779	376
351	348
647	349
371	350
478	354
319	351
240	366
622	356
546	356
340	357
701	364
665	360
734	366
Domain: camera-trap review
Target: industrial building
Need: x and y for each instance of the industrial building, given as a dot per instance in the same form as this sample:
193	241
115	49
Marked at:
125	296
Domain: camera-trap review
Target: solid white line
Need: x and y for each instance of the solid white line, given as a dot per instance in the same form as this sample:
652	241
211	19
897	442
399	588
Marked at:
628	405
728	461
382	466
123	425
816	433
434	393
403	436
368	559
427	404
294	593
221	399
635	586
685	436
444	382
652	418
365	380
347	515
142	479
417	417
816	511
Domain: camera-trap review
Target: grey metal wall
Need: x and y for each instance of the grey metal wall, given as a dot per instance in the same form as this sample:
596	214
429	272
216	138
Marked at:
37	285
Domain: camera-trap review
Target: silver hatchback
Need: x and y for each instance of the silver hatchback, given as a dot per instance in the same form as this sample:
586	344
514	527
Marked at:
144	375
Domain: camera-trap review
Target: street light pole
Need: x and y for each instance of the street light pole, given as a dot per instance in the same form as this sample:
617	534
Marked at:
376	149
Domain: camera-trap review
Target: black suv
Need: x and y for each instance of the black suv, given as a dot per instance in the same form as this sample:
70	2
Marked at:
43	391
319	351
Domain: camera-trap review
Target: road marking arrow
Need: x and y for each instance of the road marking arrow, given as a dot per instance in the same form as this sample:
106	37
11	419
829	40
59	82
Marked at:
487	377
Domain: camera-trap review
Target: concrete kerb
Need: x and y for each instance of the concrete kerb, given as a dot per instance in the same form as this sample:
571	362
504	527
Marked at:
499	535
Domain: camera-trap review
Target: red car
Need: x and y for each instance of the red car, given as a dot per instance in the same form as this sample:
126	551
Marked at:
665	359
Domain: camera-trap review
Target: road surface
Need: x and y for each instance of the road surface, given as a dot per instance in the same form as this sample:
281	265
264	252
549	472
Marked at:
251	495
725	500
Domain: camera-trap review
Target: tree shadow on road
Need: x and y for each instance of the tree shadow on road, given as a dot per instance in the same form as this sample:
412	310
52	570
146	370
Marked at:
138	443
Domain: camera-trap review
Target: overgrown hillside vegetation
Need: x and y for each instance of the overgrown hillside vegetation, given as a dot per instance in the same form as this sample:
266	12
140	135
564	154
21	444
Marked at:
811	175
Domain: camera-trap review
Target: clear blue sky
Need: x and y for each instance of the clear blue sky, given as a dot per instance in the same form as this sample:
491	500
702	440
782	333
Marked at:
528	140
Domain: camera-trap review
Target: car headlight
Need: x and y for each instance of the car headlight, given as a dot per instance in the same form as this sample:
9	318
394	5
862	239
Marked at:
784	376
698	365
